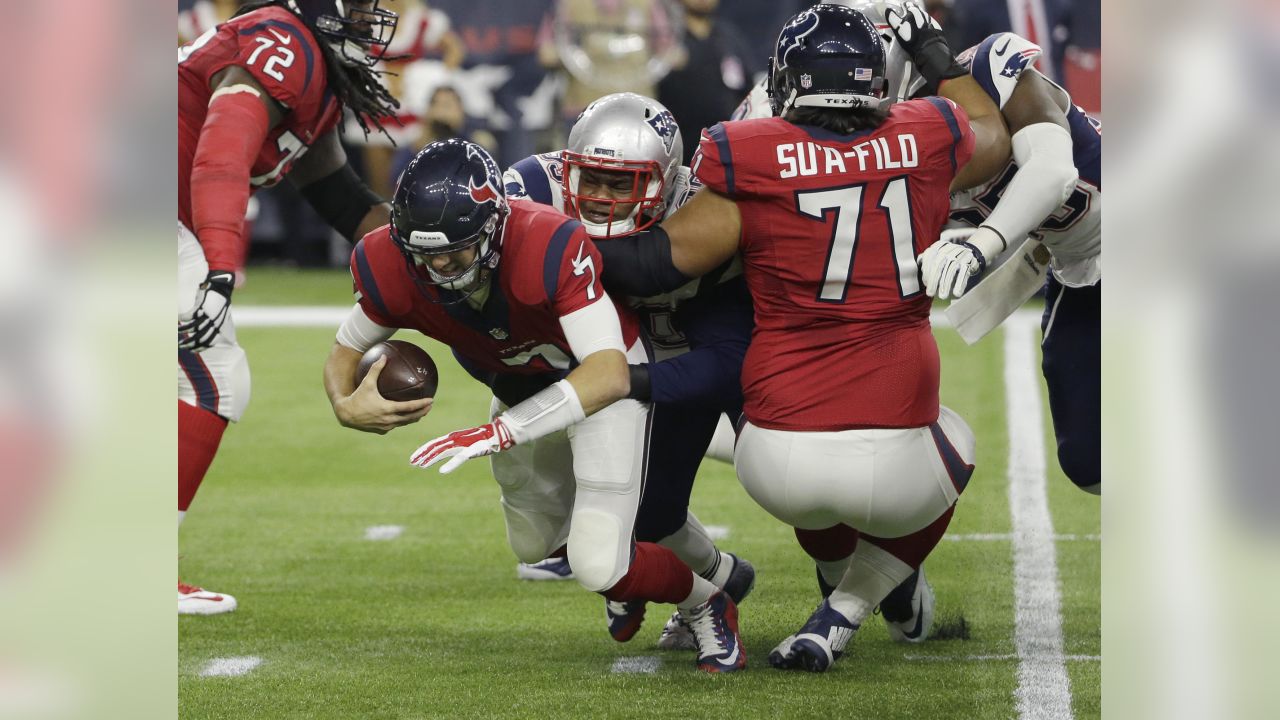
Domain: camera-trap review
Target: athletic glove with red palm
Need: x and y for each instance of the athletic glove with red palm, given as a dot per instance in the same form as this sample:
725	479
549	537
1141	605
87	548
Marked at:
463	445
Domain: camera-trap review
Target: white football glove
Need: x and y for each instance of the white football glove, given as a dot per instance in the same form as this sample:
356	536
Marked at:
960	255
462	445
199	329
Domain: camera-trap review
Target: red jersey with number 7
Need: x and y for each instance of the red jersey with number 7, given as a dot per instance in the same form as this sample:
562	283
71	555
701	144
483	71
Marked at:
549	268
274	46
831	227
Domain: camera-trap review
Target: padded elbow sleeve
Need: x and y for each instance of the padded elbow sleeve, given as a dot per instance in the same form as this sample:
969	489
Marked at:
640	265
342	199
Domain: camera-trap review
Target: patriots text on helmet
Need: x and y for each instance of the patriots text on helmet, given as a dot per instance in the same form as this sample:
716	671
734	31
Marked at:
806	158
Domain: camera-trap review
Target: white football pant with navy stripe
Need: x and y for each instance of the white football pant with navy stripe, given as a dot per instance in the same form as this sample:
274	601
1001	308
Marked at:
215	379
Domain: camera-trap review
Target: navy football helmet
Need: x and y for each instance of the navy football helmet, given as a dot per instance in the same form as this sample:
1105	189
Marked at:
450	198
358	30
827	56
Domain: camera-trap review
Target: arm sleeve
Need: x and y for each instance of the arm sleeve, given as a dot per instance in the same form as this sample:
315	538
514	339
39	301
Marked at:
719	331
593	328
234	129
640	265
360	333
1044	180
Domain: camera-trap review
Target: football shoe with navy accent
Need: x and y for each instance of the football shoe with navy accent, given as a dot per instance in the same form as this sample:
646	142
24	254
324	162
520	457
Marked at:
908	609
714	625
556	568
624	618
742	579
818	644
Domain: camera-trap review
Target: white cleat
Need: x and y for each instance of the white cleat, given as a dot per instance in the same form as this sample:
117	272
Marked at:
908	610
556	568
193	600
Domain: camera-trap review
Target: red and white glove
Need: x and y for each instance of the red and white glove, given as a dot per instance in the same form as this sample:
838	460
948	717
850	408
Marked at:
462	445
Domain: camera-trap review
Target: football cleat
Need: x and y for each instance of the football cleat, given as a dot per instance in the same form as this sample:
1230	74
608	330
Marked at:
908	609
624	618
193	600
714	625
742	579
824	587
556	568
819	643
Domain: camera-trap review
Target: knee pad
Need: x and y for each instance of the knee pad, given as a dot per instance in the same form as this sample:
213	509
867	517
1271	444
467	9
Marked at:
529	534
598	550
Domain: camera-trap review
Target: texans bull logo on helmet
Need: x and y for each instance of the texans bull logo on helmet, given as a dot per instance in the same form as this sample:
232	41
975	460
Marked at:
794	33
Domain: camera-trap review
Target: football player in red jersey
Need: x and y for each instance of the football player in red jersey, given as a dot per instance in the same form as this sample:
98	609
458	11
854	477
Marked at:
514	290
830	203
259	98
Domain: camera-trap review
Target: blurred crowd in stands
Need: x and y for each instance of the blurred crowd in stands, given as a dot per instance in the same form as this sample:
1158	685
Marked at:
513	75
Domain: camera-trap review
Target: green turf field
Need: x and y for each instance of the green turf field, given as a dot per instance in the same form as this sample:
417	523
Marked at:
433	623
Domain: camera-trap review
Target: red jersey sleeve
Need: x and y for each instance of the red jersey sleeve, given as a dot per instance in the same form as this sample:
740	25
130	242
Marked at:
571	269
378	280
712	163
281	55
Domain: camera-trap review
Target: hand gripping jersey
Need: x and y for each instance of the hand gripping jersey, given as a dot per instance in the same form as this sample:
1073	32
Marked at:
831	227
275	47
1074	232
549	269
540	178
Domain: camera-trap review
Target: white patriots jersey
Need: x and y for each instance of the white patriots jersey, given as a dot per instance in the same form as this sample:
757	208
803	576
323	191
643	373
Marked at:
541	178
1074	232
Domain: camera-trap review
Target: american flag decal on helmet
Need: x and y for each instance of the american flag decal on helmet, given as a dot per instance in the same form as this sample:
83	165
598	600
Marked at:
862	74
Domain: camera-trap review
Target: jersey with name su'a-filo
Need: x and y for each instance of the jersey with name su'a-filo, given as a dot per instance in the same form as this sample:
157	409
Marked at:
831	227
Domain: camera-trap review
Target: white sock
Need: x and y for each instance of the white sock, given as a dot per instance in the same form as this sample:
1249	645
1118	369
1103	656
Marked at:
181	514
702	592
873	573
693	545
833	570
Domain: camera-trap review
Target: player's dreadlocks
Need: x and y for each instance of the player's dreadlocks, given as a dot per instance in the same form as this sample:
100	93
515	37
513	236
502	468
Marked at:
356	86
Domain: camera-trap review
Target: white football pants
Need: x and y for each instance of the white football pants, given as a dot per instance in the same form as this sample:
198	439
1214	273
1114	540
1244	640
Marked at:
217	378
884	482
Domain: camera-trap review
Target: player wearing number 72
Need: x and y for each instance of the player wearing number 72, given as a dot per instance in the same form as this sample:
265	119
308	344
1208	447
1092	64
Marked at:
259	99
829	203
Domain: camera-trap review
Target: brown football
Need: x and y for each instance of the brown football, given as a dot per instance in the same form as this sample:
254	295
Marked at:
410	373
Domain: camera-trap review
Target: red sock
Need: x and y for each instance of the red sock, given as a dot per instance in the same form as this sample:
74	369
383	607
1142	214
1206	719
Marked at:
914	548
834	543
199	434
656	575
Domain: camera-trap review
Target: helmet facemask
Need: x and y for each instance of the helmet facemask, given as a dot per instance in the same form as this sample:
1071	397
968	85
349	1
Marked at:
422	247
647	195
358	32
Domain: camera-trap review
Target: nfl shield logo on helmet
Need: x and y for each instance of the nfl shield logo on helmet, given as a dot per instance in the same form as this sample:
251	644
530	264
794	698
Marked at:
806	81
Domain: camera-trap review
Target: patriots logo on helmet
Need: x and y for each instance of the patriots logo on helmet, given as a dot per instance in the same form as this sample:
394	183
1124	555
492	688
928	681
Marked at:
1018	63
665	125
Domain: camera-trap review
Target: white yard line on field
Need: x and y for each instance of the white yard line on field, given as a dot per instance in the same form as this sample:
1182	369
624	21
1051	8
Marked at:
991	658
383	532
1044	690
646	664
1005	537
230	666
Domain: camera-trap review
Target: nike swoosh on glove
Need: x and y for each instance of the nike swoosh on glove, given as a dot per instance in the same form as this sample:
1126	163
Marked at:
462	445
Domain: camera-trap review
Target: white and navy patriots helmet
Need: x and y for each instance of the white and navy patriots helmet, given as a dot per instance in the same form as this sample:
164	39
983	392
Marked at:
829	56
449	198
357	30
629	133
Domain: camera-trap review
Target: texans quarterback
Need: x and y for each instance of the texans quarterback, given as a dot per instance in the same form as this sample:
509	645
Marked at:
830	202
620	174
259	98
514	289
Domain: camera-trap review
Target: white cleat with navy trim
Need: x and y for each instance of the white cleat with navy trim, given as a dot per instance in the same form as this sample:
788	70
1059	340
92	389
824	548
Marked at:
819	643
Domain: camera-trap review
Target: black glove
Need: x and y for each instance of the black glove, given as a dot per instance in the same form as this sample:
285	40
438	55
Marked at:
213	305
640	386
922	38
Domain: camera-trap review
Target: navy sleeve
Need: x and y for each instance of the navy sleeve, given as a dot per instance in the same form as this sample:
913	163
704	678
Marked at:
718	327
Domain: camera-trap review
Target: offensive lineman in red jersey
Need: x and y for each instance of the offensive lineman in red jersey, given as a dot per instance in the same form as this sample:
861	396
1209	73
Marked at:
259	98
513	289
830	203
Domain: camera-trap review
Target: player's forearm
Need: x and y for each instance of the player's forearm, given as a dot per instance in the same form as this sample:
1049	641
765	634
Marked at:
601	380
340	373
1045	178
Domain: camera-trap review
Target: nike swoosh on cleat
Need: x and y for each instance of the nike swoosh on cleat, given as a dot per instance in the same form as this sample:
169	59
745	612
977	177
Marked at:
732	659
1000	52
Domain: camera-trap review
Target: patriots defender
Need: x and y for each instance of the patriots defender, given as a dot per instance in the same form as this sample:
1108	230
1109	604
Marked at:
259	98
514	289
620	174
1051	191
830	202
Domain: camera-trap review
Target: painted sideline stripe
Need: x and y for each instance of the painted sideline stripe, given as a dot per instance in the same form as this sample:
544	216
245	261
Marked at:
230	666
645	664
1044	690
383	532
331	316
1069	537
